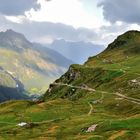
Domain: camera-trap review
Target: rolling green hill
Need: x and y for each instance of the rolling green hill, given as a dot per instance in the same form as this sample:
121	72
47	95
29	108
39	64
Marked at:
32	64
99	100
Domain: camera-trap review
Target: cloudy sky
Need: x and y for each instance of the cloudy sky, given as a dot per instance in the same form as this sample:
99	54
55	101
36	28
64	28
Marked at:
97	21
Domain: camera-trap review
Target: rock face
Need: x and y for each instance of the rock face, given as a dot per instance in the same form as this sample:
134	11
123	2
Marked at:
72	74
135	83
22	124
92	128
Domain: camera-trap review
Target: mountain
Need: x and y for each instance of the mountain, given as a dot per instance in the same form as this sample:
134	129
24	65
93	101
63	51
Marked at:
10	87
76	51
115	67
32	64
99	100
55	56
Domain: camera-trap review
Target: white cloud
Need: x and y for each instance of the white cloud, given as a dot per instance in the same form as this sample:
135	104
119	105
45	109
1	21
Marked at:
16	19
70	12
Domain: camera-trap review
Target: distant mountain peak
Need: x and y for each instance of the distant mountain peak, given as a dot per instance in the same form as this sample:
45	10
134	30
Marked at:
14	40
12	33
77	51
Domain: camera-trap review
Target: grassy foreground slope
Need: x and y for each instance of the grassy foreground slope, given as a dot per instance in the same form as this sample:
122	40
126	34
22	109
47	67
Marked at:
104	93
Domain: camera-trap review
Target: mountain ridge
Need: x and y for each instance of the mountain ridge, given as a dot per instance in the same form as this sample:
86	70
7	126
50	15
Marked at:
29	64
71	49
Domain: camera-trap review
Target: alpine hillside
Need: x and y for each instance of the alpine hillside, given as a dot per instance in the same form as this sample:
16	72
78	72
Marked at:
99	100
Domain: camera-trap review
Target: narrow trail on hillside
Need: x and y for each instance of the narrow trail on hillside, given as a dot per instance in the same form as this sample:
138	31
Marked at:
91	108
95	102
78	87
133	100
121	69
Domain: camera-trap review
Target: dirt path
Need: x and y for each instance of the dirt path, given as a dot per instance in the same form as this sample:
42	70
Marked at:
129	98
41	105
78	87
133	100
118	134
91	109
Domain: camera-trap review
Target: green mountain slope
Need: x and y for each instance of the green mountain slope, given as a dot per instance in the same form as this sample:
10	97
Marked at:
99	100
34	65
117	69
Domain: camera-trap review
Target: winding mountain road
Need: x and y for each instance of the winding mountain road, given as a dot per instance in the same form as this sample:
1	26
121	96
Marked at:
133	100
78	87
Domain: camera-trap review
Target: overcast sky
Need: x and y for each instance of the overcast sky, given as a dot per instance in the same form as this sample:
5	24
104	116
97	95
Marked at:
97	21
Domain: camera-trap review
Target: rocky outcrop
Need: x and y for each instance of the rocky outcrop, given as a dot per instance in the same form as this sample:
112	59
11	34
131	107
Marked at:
134	83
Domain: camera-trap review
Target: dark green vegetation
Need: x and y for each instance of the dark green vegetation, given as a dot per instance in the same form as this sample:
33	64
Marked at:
35	66
105	91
